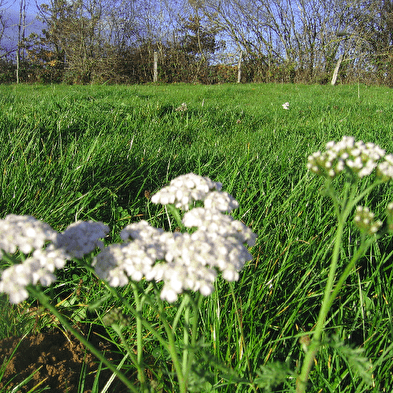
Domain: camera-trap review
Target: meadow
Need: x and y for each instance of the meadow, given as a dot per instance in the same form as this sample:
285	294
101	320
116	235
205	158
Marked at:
100	152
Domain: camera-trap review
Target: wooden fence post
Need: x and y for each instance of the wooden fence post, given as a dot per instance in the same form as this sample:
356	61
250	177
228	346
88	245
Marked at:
335	73
239	68
155	72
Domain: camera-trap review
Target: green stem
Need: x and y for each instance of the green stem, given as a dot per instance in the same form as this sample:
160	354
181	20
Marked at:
44	300
139	343
186	334
316	340
359	252
194	332
172	349
347	205
170	346
145	323
179	312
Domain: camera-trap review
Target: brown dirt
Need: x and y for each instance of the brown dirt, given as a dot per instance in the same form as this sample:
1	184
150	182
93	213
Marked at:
60	357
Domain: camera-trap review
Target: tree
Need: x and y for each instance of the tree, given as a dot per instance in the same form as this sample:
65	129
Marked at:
74	34
293	39
374	31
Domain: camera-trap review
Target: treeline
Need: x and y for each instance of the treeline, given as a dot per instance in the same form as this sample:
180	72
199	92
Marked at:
203	41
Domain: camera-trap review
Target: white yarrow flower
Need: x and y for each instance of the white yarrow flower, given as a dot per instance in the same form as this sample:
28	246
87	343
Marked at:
358	158
24	233
13	282
364	220
184	190
82	237
182	261
220	201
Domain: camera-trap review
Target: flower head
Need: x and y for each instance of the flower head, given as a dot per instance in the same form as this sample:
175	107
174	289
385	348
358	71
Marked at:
141	231
358	158
82	237
184	190
182	108
364	220
24	233
212	221
38	268
285	105
221	201
182	261
117	262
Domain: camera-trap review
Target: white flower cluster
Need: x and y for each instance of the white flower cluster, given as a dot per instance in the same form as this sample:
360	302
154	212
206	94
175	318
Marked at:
184	190
182	261
133	259
28	234
24	233
364	220
358	158
220	201
37	268
82	237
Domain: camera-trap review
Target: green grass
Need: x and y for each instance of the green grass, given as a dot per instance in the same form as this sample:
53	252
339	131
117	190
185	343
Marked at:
90	152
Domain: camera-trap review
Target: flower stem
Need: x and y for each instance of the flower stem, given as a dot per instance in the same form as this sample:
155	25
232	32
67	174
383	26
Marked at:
172	350
347	205
139	343
169	345
316	339
186	334
194	332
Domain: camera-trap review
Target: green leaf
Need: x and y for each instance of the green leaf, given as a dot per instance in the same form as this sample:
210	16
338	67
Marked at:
272	375
355	359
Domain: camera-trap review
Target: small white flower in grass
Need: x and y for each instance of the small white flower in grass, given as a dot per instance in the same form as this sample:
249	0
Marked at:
182	108
82	237
285	105
24	233
184	190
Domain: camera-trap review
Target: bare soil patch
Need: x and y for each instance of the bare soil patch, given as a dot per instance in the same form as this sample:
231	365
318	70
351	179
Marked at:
59	358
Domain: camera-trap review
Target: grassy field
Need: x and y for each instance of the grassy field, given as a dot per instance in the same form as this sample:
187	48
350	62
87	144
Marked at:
95	152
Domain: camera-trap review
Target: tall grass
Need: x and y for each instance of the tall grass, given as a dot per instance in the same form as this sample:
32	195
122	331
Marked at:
96	152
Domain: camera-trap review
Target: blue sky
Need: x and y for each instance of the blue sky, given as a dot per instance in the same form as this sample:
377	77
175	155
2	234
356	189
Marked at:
11	13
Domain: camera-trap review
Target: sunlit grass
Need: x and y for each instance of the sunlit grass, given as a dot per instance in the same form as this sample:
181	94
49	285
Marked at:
96	152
